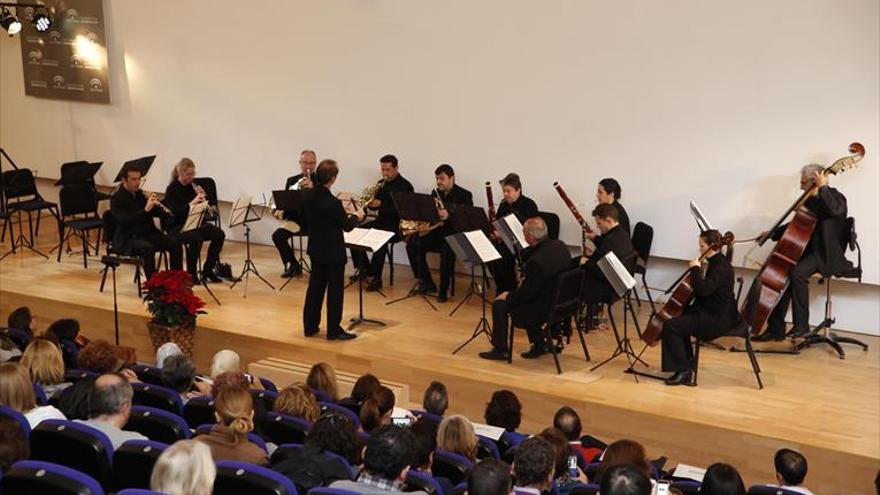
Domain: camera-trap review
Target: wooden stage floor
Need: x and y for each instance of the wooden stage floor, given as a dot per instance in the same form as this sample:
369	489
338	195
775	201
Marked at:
814	402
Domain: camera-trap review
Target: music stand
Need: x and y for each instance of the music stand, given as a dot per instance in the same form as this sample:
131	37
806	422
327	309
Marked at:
511	232
415	207
365	240
475	247
194	221
291	202
466	219
243	213
143	164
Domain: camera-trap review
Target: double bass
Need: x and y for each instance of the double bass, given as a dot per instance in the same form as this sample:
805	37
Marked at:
772	279
682	295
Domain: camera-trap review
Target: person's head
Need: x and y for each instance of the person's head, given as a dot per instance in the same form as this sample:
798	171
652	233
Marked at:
16	388
365	387
710	242
326	173
165	351
425	433
73	401
456	434
100	357
297	400
388	165
64	329
13	446
21	319
535	230
110	400
808	175
184	172
436	399
322	377
627	452
489	477
184	468
308	162
225	361
504	410
131	177
233	407
623	479
445	177
533	464
43	360
389	452
376	410
606	217
722	479
561	448
178	373
791	467
568	422
511	187
608	191
335	432
229	380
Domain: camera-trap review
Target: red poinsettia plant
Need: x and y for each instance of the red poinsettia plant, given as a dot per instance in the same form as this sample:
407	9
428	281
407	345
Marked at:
170	299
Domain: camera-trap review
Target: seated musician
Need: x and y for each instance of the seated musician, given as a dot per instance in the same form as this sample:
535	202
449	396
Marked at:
281	237
608	193
711	314
387	219
528	305
824	254
180	195
596	287
515	202
451	195
136	234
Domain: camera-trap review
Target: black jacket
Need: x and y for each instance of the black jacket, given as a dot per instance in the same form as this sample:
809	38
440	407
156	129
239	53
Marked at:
388	219
131	220
524	208
177	199
530	303
617	241
457	196
713	292
327	220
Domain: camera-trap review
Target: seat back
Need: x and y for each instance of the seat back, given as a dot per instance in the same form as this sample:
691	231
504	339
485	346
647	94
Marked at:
642	238
40	395
585	489
419	481
157	425
109	222
487	448
10	413
252	437
199	411
284	451
133	463
566	295
146	394
770	490
74	376
149	374
332	406
281	428
331	491
267	397
552	221
19	185
452	466
687	487
76	446
425	414
234	478
47	477
268	384
78	199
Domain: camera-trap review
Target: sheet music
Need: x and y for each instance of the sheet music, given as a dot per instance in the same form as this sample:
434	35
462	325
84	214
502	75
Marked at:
194	217
239	210
368	238
346	198
689	472
702	221
616	274
482	245
491	432
517	229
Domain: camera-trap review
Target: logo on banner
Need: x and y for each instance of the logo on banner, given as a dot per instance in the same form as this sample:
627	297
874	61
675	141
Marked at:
96	86
35	56
75	61
55	37
29	14
58	82
72	15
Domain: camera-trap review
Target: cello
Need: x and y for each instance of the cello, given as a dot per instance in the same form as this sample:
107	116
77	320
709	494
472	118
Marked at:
682	294
772	279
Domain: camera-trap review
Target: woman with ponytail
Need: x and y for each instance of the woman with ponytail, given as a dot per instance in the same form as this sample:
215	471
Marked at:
228	440
376	411
712	314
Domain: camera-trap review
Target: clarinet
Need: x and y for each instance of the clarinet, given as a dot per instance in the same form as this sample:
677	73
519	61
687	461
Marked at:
585	227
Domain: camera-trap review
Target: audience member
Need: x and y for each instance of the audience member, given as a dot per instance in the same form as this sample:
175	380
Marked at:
165	351
310	467
505	411
228	440
179	373
623	479
13	444
436	399
456	435
21	323
229	380
322	380
627	452
184	468
564	475
365	387
73	401
489	477
67	331
424	432
387	460
228	361
791	469
109	406
722	479
42	359
8	348
17	392
533	466
376	411
298	400
100	357
568	422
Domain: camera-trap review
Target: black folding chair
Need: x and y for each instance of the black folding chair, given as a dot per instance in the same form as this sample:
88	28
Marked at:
642	238
79	213
20	195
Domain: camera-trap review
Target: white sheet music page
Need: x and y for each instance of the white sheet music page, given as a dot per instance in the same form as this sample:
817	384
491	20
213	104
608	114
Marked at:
482	245
239	210
689	472
194	217
354	235
491	432
517	229
375	238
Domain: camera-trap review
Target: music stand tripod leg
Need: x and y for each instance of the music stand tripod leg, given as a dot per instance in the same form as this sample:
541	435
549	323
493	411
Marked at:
482	326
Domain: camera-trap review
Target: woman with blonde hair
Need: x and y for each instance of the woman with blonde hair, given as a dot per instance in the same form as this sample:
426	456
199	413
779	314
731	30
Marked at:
17	392
298	401
322	380
228	439
45	364
184	468
456	435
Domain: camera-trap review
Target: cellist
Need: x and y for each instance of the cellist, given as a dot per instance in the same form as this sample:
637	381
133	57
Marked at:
711	314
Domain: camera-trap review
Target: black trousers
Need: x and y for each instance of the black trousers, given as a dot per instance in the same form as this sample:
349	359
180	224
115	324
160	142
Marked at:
373	266
281	238
193	240
500	326
797	294
329	278
147	245
595	290
504	272
417	250
678	353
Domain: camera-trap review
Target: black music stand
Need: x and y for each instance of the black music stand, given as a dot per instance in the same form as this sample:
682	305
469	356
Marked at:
143	164
360	244
243	213
194	220
466	219
291	202
415	207
462	244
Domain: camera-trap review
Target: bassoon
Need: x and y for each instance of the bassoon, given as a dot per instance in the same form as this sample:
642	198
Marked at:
491	201
585	227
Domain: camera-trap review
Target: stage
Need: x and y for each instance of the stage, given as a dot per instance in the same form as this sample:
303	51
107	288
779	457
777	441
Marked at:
825	407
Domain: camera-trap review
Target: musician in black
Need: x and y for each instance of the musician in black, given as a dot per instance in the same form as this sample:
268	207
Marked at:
824	254
711	314
281	237
450	195
135	232
608	192
327	218
596	288
180	195
387	219
516	203
529	304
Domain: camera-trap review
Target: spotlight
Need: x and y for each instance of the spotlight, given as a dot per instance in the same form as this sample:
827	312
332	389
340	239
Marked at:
9	22
41	20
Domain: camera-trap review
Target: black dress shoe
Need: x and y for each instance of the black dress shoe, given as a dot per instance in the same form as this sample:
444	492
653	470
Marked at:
796	332
312	333
288	272
374	285
680	378
441	297
769	337
495	354
425	288
342	335
211	277
536	351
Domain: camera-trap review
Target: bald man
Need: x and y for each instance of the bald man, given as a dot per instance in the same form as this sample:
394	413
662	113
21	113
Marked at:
110	407
545	259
